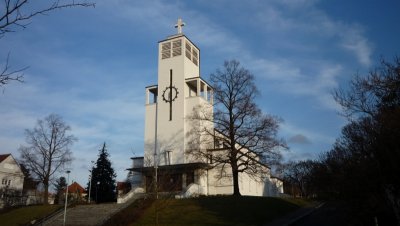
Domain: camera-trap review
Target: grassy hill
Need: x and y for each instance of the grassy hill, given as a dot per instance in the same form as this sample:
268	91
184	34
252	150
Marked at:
214	210
24	215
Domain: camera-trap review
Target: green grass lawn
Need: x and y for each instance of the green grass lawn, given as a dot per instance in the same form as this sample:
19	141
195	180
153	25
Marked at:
23	215
216	210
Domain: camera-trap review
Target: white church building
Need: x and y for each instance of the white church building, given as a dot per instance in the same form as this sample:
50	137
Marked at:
168	106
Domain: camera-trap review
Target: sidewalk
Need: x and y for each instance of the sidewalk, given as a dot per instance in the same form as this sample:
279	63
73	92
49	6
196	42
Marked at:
294	216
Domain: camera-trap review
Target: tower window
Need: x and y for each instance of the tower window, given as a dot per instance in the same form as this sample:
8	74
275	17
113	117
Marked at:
192	53
195	58
166	50
177	48
188	51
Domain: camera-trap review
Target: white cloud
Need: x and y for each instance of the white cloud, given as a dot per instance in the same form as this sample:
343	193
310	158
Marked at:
355	42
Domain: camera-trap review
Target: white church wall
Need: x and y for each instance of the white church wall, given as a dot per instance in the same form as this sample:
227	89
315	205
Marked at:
149	134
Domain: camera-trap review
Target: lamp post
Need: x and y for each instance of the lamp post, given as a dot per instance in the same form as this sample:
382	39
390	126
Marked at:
66	198
90	181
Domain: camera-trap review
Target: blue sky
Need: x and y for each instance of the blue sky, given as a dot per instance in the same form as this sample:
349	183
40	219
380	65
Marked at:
90	65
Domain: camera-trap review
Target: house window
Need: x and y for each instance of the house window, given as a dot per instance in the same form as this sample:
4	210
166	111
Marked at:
3	181
9	182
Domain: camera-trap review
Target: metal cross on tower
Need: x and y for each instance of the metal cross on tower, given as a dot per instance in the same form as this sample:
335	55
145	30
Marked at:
179	25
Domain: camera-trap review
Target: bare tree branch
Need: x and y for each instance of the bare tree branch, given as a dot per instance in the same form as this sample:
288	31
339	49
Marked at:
48	148
7	75
14	16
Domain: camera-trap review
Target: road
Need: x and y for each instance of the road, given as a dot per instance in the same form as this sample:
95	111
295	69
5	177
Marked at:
329	214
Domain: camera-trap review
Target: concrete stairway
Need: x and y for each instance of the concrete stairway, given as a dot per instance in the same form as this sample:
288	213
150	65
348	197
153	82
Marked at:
85	215
89	215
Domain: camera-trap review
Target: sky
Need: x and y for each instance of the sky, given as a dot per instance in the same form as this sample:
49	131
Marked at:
91	66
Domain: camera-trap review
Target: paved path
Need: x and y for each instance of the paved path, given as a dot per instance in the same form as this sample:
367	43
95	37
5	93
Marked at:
331	214
291	218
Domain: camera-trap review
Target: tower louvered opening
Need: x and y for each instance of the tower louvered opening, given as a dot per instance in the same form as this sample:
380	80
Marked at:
177	48
166	50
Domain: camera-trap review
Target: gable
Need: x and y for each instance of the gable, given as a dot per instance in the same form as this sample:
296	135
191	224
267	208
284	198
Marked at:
9	165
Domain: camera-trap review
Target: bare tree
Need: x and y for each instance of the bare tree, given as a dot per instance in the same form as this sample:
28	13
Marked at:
299	174
14	15
240	136
48	149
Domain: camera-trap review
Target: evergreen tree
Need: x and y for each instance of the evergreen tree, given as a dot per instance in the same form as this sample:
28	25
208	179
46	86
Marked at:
103	179
60	186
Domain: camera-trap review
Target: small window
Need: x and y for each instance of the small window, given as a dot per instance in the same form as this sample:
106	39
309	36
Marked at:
9	182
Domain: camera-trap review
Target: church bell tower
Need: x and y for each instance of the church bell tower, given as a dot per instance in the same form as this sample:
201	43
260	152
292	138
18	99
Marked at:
170	101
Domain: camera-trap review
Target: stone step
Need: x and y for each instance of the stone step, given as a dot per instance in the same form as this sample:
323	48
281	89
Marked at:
89	215
85	215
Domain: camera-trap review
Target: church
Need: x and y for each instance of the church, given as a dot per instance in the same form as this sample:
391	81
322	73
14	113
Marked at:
166	164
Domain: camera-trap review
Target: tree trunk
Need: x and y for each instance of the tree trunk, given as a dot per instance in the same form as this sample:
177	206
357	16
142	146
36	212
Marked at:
46	192
235	175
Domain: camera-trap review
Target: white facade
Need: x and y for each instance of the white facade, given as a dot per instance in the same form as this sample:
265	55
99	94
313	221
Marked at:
169	105
11	176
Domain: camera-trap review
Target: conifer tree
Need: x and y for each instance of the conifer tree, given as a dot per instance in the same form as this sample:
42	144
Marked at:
60	186
103	179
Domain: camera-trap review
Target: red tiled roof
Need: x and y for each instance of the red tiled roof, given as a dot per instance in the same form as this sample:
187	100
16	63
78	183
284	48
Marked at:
75	187
2	157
